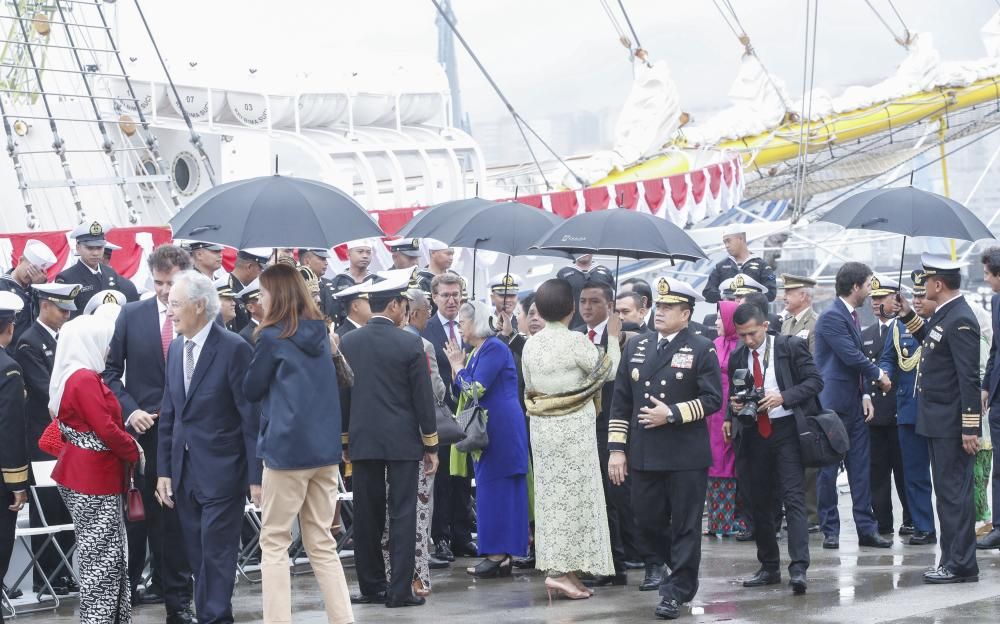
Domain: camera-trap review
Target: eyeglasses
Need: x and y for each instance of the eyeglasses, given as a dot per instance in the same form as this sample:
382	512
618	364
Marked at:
449	295
173	304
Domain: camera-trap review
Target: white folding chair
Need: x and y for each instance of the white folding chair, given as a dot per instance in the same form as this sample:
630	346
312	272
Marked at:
42	472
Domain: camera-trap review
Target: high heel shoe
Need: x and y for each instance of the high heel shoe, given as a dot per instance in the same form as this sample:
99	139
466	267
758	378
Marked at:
564	588
490	568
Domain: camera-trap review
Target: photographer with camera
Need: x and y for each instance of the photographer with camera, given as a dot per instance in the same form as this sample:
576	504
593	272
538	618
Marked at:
773	376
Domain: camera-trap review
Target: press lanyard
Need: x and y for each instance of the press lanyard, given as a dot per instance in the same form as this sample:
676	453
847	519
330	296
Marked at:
767	356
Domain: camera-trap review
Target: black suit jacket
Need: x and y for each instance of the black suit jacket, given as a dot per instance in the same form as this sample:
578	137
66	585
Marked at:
991	376
13	459
436	335
91	284
212	425
796	373
36	353
885	403
388	414
607	392
136	345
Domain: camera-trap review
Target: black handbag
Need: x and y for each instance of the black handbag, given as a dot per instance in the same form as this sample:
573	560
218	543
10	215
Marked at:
448	430
822	438
472	420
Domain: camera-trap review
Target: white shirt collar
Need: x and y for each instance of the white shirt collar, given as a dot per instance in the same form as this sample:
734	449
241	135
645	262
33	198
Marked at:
445	321
161	308
669	337
202	335
801	315
355	323
599	330
763	346
51	331
941	305
96	271
850	308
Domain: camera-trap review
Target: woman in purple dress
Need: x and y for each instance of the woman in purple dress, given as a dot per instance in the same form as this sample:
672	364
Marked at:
722	475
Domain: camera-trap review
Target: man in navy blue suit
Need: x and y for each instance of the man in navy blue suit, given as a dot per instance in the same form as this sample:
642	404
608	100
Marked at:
143	332
451	525
845	371
208	442
990	394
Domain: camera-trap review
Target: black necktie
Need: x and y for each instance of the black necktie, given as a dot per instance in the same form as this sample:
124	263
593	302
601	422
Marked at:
662	345
881	332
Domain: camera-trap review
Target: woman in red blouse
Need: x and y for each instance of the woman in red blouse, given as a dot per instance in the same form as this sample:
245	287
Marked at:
93	466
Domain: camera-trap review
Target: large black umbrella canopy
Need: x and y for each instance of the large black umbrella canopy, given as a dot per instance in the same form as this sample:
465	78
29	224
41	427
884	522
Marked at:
506	227
274	211
620	232
908	211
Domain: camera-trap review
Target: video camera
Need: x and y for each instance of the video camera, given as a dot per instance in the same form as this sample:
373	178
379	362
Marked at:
746	393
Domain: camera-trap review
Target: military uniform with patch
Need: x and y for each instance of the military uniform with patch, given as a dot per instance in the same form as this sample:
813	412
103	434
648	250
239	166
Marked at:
13	456
669	462
949	407
38	254
91	282
755	267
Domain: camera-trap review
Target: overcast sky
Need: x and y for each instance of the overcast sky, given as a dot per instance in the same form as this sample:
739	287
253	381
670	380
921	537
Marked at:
555	56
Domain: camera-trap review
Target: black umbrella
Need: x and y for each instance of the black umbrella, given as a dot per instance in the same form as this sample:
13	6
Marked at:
274	211
908	211
620	232
506	227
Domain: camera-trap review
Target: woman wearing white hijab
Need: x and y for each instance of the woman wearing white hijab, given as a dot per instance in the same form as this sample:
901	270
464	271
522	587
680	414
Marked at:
92	467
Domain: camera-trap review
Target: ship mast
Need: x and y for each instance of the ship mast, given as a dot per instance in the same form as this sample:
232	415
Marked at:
446	56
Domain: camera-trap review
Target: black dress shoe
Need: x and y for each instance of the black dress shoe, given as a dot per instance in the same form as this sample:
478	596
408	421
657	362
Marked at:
922	538
885	531
441	551
408	601
150	595
465	550
615	580
944	576
874	541
436	564
14	593
831	542
814	528
634	565
654	576
368	598
906	529
525	563
744	536
57	589
989	541
798	583
181	617
762	578
668	609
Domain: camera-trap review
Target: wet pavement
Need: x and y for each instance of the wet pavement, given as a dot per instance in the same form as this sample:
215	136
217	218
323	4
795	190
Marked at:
847	585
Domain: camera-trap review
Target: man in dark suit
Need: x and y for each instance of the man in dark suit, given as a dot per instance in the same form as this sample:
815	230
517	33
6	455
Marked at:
391	392
594	307
89	272
846	371
451	525
991	391
783	368
30	269
143	332
948	412
666	439
13	458
208	442
36	352
880	413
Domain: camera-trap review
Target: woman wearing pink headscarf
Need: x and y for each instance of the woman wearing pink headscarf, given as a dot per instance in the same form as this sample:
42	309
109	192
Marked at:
722	475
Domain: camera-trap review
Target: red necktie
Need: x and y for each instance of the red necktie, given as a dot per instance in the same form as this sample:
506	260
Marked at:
166	334
763	421
451	331
591	335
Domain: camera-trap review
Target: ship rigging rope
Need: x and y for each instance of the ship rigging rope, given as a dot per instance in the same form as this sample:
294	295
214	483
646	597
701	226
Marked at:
808	69
733	22
628	21
903	39
622	36
510	107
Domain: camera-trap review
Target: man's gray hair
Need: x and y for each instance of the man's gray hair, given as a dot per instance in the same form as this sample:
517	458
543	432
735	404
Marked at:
417	299
479	313
200	288
808	292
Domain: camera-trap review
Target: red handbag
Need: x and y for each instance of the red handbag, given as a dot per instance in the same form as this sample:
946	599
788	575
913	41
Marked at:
51	441
135	510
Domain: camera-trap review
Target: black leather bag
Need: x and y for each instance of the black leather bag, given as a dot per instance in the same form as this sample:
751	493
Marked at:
472	420
448	430
822	439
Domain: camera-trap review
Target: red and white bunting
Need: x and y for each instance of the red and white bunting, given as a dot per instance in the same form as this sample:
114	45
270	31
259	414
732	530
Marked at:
685	199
